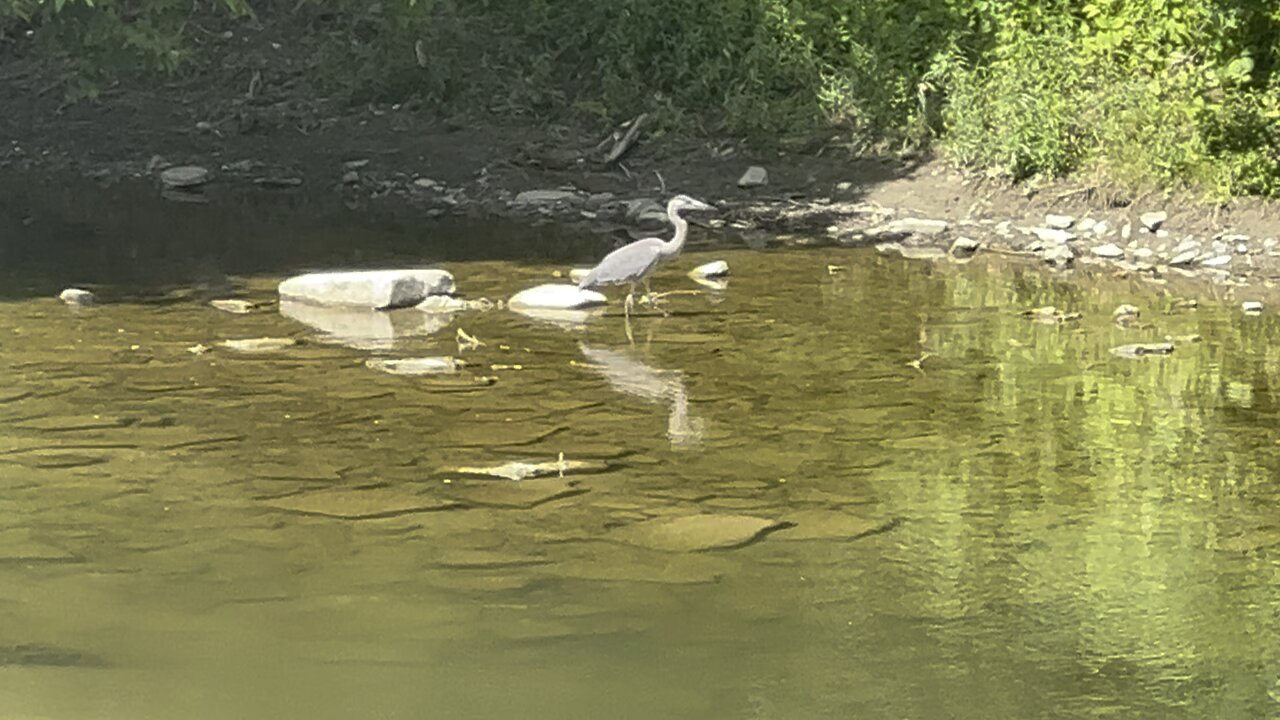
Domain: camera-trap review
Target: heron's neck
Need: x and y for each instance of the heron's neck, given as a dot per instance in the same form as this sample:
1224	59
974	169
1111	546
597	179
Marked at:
673	246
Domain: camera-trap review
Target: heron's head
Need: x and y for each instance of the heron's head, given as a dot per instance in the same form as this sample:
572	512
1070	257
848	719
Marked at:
684	202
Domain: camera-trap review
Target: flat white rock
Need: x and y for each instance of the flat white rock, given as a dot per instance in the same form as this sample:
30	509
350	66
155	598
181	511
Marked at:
1251	306
1059	222
717	268
556	296
368	288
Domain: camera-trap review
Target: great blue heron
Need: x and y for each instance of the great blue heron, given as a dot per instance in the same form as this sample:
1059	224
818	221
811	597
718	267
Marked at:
633	263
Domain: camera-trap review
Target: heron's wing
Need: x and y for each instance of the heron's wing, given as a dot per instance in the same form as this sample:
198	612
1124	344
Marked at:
628	263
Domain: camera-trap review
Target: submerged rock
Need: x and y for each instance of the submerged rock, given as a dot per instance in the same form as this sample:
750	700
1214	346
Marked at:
693	533
755	176
1184	258
415	366
262	344
714	269
1137	350
832	525
520	470
1049	314
237	307
555	296
361	503
524	494
1125	314
378	289
76	296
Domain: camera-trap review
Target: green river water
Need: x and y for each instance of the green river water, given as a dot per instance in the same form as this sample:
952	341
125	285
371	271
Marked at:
1020	525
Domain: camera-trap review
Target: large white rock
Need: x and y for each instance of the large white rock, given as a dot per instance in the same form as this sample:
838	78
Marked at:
375	289
555	296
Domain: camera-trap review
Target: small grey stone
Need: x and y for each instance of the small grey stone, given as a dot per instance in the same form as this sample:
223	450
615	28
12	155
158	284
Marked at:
1162	233
184	176
1270	244
1153	220
1217	261
1109	250
1125	311
355	164
76	296
1184	258
1126	231
1185	246
1251	306
1242	248
350	177
1058	255
426	183
755	176
917	226
1101	228
1144	253
1004	228
1059	222
964	247
546	197
1053	235
1086	225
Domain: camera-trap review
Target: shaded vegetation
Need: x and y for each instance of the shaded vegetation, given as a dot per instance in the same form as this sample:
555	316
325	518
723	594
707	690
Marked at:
1170	93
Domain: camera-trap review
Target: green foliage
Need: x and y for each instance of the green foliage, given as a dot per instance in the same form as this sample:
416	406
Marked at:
1153	93
102	39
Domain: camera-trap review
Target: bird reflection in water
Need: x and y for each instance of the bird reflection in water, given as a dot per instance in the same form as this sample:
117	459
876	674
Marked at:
630	376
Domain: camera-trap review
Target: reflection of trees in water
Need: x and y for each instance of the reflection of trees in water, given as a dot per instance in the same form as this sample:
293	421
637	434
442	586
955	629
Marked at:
630	376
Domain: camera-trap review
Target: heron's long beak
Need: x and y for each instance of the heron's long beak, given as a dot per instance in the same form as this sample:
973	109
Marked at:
699	205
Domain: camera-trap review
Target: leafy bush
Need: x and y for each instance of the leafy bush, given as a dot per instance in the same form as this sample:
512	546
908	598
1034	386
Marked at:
1160	93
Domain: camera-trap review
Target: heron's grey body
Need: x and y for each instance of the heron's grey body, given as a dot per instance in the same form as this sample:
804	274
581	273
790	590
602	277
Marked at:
633	263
